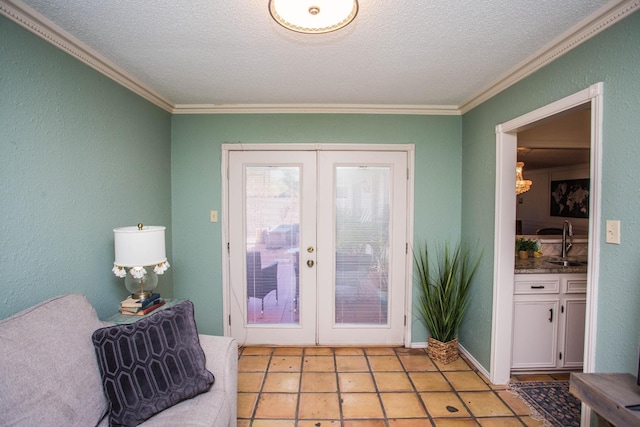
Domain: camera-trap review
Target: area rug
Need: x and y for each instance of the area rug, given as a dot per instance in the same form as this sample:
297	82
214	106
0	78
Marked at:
550	401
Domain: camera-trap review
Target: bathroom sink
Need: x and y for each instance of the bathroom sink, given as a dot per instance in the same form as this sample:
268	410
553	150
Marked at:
567	263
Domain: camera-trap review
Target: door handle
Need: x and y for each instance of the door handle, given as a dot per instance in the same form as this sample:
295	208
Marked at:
551	315
310	263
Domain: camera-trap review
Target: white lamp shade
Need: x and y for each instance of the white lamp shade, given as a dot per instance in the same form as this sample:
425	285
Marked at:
139	247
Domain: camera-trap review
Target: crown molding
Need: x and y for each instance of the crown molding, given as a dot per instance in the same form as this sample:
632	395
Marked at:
606	17
30	19
599	21
429	110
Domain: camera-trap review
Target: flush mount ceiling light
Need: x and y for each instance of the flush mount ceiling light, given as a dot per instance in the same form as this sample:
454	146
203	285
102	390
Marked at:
313	16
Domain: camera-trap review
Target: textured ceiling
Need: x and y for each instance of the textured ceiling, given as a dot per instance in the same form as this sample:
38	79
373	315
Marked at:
409	53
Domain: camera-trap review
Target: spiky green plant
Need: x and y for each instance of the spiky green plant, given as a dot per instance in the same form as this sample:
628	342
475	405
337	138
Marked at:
444	288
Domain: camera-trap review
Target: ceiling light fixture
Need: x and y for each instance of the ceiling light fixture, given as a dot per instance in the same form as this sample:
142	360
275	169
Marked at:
522	185
313	16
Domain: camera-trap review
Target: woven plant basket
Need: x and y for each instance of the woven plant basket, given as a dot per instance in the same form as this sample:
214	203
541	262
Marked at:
445	352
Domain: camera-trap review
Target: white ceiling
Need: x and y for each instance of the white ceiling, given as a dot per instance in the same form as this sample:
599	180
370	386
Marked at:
422	55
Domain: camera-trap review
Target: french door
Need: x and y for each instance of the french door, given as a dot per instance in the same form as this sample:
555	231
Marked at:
317	246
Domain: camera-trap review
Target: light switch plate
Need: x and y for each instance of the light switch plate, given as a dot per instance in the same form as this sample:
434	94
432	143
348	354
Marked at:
213	216
613	232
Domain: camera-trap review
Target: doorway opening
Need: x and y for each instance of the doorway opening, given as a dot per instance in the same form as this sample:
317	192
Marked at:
506	152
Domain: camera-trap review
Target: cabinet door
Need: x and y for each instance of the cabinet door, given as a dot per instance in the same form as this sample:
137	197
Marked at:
573	332
535	325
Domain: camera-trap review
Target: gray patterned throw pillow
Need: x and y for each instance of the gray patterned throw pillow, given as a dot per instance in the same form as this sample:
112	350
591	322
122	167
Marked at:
150	365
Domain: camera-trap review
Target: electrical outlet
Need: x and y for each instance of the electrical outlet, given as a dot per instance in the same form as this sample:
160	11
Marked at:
213	216
613	232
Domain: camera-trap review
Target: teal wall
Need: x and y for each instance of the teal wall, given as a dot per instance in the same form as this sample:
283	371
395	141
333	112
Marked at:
196	184
612	57
79	155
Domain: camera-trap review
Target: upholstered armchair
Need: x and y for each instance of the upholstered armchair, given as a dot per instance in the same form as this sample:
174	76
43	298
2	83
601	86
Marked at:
261	280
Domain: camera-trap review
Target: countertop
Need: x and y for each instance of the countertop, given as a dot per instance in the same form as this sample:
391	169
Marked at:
540	265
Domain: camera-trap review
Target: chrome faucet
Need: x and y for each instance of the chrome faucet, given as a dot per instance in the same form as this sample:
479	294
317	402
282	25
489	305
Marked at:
567	230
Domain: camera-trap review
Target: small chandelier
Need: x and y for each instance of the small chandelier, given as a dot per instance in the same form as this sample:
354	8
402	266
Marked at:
313	16
522	185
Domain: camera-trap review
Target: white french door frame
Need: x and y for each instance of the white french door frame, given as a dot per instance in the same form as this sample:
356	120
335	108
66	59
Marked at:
409	149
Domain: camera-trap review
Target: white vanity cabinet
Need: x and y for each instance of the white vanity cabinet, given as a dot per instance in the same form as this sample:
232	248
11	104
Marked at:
548	321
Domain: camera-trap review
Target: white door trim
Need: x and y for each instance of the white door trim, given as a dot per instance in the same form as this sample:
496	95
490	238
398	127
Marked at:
224	161
506	145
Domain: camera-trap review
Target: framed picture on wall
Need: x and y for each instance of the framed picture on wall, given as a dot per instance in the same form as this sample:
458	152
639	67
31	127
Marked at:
570	198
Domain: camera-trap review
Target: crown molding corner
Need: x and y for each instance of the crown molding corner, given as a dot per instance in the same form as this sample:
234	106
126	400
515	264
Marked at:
604	18
32	21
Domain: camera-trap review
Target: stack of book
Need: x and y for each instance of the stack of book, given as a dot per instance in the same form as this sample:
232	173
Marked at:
140	307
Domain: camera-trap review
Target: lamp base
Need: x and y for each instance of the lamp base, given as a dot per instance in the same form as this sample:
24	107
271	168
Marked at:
143	284
142	295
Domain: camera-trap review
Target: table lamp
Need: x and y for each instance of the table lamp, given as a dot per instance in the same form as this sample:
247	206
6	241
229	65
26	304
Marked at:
135	249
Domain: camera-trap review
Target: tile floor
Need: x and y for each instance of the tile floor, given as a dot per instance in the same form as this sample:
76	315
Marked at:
369	387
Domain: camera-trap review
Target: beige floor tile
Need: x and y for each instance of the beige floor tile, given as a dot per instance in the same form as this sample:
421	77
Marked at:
351	364
319	405
402	405
274	423
364	423
253	363
466	381
361	405
444	405
318	364
250	381
282	382
256	351
417	363
287	351
392	381
429	381
319	382
385	363
462	422
485	404
514	402
564	376
457	365
277	405
349	351
321	423
532	422
415	422
500	422
380	351
285	364
243	423
351	382
318	351
246	404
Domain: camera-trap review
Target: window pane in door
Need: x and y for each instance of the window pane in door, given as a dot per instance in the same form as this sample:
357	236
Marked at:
272	212
362	242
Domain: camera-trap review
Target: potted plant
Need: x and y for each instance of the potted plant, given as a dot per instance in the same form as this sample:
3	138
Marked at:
444	290
525	246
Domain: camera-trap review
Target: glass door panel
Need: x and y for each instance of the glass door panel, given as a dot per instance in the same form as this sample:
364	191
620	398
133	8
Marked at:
362	244
272	220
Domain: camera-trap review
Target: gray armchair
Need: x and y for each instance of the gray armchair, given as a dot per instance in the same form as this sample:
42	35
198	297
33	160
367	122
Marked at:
261	281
